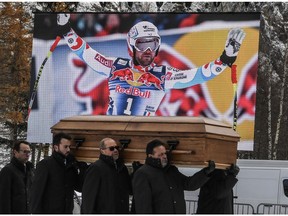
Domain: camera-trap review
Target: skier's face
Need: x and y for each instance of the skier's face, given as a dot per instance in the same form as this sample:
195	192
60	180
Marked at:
145	58
64	147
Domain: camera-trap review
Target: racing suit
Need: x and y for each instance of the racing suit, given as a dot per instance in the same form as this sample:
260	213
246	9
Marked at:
136	90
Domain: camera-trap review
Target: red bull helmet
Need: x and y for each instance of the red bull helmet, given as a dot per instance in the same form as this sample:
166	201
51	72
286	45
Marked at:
142	36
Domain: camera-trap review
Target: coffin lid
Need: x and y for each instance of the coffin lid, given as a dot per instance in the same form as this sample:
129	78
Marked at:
177	124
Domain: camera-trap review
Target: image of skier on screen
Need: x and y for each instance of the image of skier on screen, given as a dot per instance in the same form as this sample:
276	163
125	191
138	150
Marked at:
137	85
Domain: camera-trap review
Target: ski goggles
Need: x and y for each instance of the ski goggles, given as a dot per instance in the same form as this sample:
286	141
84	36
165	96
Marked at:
142	44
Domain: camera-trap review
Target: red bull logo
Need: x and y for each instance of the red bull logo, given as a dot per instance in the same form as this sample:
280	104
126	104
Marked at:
133	91
123	75
149	79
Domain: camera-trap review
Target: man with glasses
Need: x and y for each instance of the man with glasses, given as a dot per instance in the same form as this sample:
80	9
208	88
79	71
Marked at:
137	85
15	181
56	178
107	183
158	186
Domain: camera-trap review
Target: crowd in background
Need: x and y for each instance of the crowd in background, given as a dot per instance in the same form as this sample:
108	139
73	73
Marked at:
101	24
91	24
104	24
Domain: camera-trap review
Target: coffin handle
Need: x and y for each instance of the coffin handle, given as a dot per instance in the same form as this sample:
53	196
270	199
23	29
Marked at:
124	143
172	144
79	142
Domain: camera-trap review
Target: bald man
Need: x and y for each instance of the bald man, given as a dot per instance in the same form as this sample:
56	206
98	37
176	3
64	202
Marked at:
107	184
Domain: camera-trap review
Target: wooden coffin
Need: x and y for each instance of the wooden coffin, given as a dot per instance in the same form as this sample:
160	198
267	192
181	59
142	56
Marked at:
192	140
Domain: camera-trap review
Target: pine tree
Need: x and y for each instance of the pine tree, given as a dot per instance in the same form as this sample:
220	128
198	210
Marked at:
15	56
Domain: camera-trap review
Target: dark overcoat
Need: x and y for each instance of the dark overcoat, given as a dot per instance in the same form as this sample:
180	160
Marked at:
216	196
54	185
160	190
15	185
106	187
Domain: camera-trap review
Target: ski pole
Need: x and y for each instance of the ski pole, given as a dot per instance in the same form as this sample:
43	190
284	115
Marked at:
234	83
33	95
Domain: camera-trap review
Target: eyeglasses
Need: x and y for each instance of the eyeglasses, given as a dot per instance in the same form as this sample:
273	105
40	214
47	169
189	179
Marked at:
25	151
112	148
142	44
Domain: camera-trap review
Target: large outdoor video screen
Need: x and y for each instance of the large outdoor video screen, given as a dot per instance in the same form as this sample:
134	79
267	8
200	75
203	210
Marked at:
75	79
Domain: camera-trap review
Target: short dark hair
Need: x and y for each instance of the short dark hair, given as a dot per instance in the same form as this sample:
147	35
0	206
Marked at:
17	144
57	138
151	145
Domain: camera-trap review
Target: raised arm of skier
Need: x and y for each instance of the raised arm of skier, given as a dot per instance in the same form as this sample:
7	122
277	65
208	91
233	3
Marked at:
208	71
93	58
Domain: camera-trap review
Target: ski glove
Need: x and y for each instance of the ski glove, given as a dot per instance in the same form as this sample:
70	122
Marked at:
232	46
63	19
63	24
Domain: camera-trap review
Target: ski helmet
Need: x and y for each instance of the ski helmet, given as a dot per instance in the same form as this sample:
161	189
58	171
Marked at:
142	36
